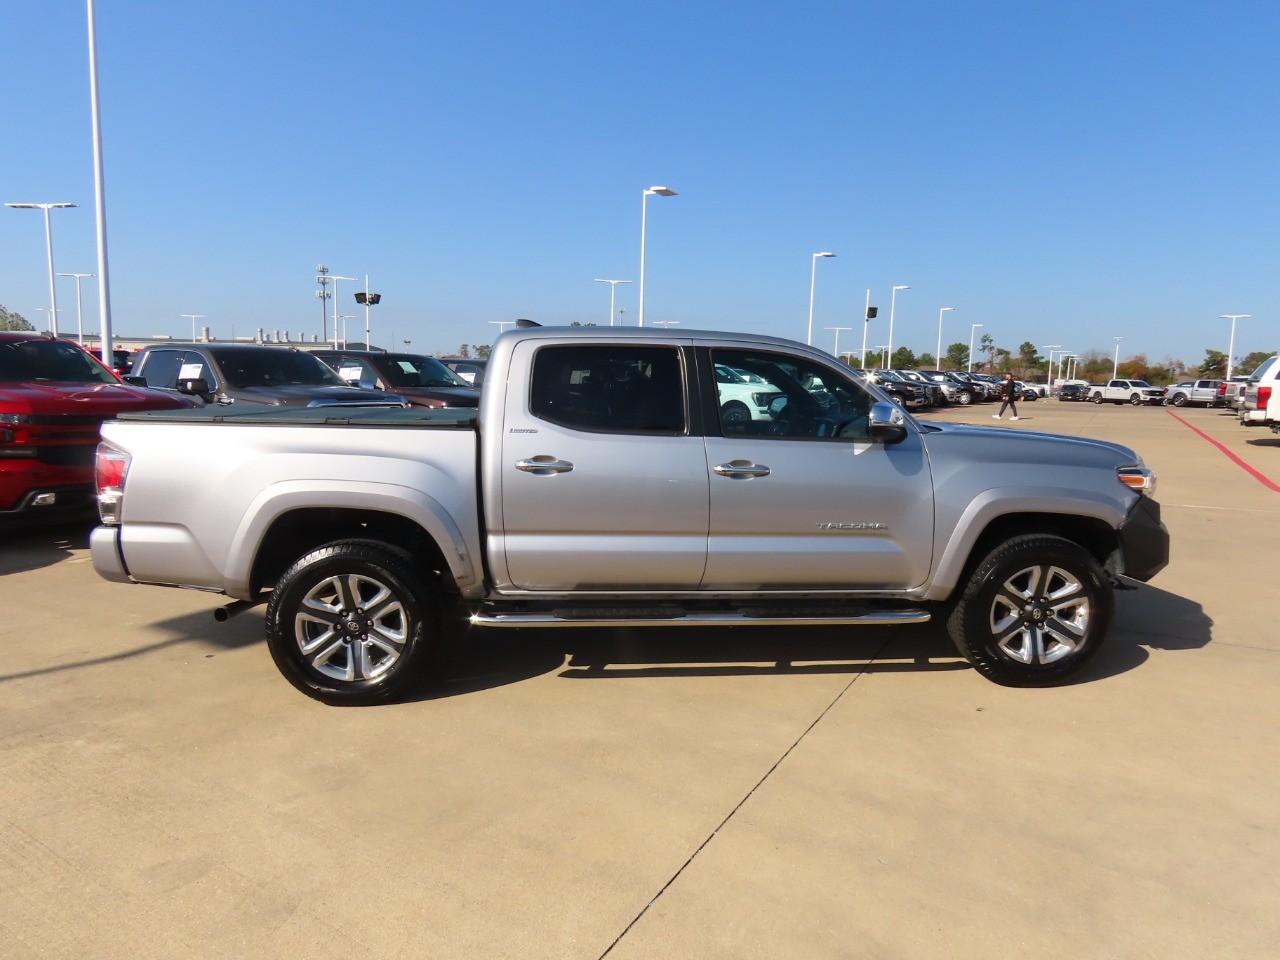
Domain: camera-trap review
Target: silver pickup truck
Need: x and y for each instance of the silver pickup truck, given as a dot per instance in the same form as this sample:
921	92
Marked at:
604	481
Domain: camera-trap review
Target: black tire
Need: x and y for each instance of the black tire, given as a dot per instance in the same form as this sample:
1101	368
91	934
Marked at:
1136	399
735	411
351	623
1096	398
1179	400
964	398
1018	639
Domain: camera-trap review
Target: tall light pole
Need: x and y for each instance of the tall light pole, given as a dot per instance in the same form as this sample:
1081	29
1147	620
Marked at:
193	317
79	307
369	300
937	357
813	276
613	288
866	323
892	298
644	207
322	278
1231	346
48	247
884	359
99	195
1115	367
334	278
502	324
836	349
1051	347
972	329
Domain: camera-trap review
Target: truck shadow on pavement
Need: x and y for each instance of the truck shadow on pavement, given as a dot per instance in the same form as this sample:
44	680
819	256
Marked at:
479	659
30	547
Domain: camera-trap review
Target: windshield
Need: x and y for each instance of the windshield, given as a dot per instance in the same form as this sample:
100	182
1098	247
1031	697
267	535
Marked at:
1262	370
411	370
272	367
1139	383
54	361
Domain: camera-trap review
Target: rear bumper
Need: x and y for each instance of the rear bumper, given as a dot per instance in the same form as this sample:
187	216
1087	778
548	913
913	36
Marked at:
1144	542
104	550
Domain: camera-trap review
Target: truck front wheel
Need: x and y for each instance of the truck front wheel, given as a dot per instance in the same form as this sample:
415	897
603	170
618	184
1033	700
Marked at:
1036	610
351	622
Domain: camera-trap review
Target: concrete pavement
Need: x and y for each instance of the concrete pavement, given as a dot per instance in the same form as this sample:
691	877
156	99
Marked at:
754	793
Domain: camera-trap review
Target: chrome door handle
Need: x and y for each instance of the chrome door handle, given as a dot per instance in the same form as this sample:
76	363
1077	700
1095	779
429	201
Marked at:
740	468
544	466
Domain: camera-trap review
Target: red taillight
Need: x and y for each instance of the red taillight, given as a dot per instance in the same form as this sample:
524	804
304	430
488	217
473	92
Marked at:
111	465
1264	394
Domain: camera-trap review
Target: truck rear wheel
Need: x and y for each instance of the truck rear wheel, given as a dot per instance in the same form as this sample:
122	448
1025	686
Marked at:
1036	610
351	622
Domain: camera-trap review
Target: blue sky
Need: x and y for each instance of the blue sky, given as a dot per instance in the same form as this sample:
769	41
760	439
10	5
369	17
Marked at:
1059	172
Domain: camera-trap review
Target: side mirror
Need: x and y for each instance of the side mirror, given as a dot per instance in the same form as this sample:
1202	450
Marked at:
886	423
134	381
776	406
197	387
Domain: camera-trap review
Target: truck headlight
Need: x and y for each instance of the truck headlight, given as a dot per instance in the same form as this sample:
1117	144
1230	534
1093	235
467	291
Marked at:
1141	479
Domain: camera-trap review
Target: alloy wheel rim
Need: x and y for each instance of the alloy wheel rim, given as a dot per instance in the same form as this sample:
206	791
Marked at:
1040	615
351	627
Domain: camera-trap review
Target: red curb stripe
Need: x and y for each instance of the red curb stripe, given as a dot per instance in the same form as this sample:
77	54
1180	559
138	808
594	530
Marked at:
1261	478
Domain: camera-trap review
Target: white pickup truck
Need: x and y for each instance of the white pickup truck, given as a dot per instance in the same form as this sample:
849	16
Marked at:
1136	392
608	479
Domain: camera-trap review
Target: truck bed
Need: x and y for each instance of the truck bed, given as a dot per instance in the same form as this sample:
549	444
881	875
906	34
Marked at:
407	418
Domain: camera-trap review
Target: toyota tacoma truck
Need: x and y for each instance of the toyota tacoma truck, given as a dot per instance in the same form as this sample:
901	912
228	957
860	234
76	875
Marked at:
604	480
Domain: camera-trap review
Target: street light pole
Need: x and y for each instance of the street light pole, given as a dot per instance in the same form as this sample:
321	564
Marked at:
48	246
813	276
79	306
866	322
322	278
1231	347
644	207
937	357
1051	347
892	298
836	350
613	287
335	278
502	324
972	330
193	317
1115	367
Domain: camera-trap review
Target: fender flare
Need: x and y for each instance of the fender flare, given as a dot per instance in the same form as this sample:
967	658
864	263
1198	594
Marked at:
287	496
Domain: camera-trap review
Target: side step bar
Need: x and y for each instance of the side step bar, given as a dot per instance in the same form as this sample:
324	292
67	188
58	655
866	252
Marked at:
678	618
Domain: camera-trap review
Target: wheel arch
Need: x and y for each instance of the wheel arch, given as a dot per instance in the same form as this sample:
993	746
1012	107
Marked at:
289	520
1091	530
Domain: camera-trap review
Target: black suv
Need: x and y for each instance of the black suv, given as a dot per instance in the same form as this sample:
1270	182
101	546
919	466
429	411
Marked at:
250	373
423	381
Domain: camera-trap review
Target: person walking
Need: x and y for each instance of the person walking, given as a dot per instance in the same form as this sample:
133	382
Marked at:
1009	391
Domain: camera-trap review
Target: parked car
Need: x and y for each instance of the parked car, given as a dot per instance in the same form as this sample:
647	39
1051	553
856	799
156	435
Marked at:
226	373
596	486
1264	384
1026	391
53	398
1191	392
910	395
1136	392
423	381
743	398
470	369
963	391
1074	391
1231	392
936	396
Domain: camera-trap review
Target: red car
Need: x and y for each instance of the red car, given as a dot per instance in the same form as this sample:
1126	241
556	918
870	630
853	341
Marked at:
53	398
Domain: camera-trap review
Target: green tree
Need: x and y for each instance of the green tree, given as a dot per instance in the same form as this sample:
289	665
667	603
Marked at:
12	320
482	350
987	345
1252	361
902	359
957	357
926	361
464	350
1029	361
1215	364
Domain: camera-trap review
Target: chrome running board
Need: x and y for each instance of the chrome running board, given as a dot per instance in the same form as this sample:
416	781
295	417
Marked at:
679	618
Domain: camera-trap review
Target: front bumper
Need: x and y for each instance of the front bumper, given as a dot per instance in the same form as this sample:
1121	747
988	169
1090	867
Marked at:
1144	542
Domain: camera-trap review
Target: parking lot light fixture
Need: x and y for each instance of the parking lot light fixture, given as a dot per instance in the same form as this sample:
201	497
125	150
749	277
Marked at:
892	298
193	317
972	329
644	208
1115	367
334	278
1231	345
813	276
613	289
937	357
48	247
835	350
1051	347
79	304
